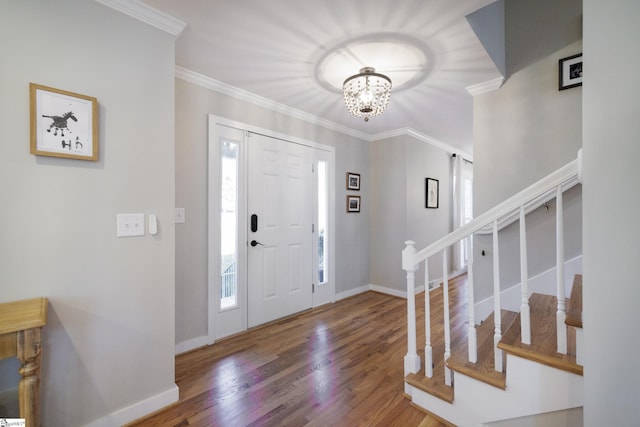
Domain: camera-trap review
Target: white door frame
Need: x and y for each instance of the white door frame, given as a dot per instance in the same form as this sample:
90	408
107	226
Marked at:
213	194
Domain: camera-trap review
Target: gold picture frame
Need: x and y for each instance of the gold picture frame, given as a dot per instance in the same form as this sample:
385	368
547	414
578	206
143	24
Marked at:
63	124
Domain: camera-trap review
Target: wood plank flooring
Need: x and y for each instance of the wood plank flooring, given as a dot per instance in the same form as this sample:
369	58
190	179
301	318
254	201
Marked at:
339	365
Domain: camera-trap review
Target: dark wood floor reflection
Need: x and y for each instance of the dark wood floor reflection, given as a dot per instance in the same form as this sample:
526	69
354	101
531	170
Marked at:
339	365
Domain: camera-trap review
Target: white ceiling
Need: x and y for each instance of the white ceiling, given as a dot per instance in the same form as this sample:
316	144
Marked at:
298	52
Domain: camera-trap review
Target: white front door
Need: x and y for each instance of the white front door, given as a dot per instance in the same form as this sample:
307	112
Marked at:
280	212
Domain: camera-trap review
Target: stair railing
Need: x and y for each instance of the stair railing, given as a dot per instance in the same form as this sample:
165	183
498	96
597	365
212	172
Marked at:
515	208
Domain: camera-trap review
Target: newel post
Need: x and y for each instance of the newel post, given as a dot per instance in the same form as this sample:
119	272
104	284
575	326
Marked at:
411	360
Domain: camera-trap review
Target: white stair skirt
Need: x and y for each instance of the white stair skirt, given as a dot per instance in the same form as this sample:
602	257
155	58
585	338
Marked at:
532	388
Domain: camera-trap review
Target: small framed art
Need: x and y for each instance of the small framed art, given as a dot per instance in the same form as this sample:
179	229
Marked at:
353	181
432	193
63	124
570	72
353	203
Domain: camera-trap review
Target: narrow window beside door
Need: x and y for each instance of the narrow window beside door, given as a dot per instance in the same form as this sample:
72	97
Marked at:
322	222
229	226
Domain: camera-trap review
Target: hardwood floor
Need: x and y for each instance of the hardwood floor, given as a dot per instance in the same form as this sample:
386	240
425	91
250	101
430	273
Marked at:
339	365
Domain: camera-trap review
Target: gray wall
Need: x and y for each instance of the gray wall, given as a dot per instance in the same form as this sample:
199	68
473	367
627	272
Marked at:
399	167
611	108
524	131
193	104
109	342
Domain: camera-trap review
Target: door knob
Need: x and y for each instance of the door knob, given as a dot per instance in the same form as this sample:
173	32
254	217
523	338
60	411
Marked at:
255	243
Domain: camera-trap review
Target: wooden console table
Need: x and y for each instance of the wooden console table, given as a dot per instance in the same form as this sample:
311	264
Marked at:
20	325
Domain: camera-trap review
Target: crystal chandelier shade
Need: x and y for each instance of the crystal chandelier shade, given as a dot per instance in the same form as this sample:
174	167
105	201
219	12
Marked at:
367	94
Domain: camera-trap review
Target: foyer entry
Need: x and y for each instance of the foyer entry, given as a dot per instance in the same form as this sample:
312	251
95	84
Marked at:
270	226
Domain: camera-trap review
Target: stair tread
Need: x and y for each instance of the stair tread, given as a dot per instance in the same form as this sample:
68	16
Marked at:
574	308
434	385
484	369
543	337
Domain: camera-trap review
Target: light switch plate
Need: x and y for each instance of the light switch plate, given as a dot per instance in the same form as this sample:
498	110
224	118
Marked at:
130	225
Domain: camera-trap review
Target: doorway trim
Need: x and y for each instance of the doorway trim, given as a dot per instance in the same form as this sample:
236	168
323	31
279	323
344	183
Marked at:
213	214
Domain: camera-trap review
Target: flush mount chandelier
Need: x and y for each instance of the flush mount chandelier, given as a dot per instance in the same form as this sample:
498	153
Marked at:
367	94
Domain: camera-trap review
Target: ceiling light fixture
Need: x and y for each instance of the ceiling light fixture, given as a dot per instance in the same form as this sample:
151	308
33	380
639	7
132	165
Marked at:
367	94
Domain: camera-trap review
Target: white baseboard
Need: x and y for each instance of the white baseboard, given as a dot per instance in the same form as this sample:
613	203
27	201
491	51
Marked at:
543	283
375	288
351	292
388	291
138	410
191	344
436	282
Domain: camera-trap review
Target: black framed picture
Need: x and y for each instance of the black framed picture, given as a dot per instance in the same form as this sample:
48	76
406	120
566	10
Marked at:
570	72
432	190
353	203
353	181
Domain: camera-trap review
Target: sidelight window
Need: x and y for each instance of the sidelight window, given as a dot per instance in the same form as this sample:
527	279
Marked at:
229	225
322	222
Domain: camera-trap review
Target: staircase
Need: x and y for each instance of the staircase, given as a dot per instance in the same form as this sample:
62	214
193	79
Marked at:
523	364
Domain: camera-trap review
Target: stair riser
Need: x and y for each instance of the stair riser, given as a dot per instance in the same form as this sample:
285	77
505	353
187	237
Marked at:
532	388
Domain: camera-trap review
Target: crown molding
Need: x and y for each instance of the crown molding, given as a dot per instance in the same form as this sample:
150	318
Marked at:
147	14
485	87
243	95
424	138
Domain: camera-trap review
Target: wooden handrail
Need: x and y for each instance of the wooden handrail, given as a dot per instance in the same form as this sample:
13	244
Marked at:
567	176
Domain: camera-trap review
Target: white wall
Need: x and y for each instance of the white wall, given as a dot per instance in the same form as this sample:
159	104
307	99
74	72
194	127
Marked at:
109	339
399	167
611	108
193	104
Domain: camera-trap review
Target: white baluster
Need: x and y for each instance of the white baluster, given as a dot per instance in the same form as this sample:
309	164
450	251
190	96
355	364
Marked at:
525	310
561	314
472	339
447	326
428	350
497	315
411	359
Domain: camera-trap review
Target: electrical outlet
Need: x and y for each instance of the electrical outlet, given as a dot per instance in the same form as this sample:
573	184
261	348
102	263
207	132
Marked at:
179	218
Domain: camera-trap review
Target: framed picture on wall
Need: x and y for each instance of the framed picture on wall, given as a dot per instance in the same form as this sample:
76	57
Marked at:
353	203
353	181
63	124
432	193
570	70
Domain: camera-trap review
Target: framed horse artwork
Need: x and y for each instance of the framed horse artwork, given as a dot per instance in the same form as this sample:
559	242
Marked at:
63	124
